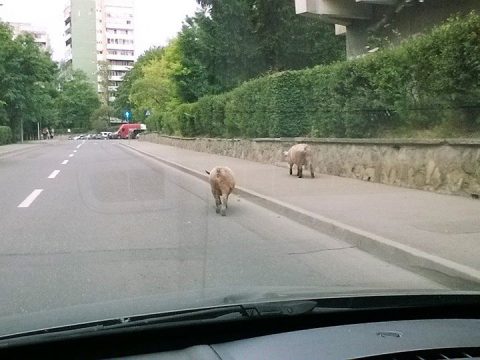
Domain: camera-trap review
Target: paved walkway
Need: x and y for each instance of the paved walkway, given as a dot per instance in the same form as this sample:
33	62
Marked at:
443	227
13	148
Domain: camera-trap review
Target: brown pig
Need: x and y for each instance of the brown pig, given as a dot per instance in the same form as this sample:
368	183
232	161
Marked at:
222	183
300	155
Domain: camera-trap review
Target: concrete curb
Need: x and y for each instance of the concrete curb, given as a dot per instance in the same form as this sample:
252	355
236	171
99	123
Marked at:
379	246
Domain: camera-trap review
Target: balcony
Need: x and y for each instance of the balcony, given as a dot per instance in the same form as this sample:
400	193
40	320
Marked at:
121	25
120	57
121	46
120	67
115	78
118	35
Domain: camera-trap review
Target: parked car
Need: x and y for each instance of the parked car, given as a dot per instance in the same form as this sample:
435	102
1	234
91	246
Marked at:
113	135
105	134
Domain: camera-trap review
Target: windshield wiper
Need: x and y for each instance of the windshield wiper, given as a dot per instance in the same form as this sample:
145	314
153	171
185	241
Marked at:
231	312
248	311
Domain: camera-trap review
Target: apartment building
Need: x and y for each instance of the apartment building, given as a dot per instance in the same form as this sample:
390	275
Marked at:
38	33
99	39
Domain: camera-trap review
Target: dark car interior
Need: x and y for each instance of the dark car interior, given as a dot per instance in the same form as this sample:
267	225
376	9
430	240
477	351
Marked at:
344	328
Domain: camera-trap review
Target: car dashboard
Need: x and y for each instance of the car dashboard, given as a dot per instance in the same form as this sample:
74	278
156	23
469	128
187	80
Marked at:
418	339
445	330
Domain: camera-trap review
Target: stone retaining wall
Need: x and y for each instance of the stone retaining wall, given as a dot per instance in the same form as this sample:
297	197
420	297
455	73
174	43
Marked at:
449	166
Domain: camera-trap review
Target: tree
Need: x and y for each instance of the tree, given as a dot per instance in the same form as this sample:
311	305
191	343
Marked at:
26	76
196	79
100	118
156	89
103	74
122	101
77	100
221	44
291	42
232	41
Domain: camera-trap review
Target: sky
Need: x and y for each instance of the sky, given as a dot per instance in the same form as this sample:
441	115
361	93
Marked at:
156	21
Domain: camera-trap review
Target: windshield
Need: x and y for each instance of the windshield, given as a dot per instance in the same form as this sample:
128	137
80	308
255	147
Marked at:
169	155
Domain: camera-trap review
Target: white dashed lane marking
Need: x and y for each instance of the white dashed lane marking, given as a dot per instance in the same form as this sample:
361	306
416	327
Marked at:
30	198
53	174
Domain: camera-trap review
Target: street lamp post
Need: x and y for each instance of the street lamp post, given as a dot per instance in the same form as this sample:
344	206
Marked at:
21	130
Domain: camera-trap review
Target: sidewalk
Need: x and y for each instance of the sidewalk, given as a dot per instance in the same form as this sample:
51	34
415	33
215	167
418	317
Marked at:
410	227
18	148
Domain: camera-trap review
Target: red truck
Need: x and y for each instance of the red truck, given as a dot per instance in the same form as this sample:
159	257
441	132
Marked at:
126	131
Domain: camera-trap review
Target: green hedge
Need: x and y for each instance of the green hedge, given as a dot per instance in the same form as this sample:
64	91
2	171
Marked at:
5	135
425	82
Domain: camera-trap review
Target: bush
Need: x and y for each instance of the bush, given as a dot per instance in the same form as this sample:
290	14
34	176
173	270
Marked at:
5	135
185	115
210	116
424	83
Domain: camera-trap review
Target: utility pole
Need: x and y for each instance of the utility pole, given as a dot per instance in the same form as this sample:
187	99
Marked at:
21	130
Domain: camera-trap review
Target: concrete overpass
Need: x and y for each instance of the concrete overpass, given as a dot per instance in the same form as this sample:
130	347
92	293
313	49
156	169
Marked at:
391	19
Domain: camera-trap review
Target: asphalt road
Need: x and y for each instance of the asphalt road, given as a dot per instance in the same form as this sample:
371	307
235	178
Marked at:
110	224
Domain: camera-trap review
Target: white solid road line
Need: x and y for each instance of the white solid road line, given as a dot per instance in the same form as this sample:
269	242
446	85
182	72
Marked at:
64	162
30	198
71	155
53	174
